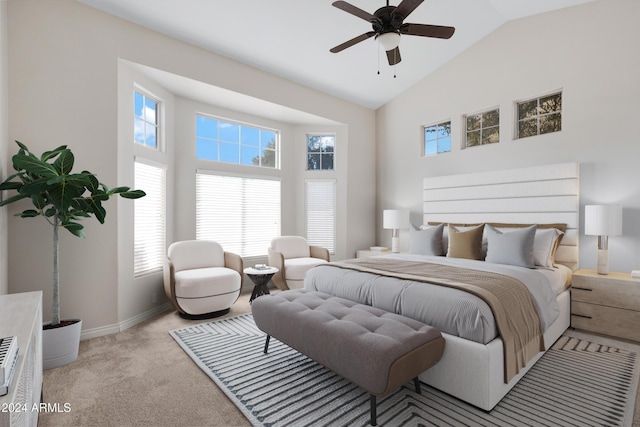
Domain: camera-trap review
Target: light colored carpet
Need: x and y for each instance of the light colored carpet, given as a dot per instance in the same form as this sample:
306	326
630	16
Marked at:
576	383
140	377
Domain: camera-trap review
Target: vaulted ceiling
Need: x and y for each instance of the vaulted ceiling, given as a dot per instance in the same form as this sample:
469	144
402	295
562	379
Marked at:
292	38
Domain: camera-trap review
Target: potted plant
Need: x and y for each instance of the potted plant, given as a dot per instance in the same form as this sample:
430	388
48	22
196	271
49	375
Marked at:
63	198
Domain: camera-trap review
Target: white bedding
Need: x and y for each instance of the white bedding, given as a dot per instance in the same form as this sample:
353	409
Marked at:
452	311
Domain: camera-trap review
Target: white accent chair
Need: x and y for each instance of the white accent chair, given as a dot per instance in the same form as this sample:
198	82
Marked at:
293	256
200	279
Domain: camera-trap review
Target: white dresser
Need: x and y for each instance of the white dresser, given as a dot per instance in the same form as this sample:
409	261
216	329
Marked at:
21	316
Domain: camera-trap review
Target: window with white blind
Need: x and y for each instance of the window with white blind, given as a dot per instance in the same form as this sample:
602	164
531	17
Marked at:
240	213
150	218
320	205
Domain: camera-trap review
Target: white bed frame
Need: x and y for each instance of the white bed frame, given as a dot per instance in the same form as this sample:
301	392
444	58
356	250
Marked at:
471	371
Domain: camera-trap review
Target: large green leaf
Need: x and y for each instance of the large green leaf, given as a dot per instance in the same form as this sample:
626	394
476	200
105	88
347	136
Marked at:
39	201
29	213
51	154
38	186
64	163
10	185
33	165
12	199
133	194
75	228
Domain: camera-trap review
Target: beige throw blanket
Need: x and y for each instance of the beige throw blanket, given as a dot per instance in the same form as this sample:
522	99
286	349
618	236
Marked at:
513	306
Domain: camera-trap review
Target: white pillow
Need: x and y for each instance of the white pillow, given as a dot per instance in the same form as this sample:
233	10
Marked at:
511	247
544	246
426	240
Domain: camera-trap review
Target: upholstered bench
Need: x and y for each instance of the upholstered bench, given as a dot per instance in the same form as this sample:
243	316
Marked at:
376	350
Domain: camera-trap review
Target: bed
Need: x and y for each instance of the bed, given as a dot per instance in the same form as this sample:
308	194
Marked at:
473	367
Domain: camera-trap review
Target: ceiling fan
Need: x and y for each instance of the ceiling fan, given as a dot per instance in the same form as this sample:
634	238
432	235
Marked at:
388	25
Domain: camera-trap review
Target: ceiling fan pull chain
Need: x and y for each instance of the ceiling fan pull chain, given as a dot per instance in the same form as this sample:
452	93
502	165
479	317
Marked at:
378	49
395	63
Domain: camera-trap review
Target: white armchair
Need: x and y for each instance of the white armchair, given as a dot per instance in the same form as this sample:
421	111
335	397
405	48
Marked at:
293	256
200	279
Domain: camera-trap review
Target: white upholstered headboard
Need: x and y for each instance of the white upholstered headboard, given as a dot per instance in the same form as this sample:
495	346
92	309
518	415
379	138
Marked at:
533	195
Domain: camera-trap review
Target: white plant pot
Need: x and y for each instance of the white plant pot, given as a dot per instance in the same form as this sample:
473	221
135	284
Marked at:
60	345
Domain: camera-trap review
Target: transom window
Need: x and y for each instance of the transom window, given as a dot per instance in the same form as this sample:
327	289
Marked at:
482	128
145	120
437	138
540	115
224	141
320	152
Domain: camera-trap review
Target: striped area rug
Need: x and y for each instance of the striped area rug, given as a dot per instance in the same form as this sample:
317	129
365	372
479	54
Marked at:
576	383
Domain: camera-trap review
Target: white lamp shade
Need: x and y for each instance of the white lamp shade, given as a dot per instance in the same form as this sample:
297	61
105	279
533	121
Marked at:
603	220
395	219
389	41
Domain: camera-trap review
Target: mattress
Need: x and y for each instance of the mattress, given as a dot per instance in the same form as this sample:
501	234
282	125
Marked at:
452	311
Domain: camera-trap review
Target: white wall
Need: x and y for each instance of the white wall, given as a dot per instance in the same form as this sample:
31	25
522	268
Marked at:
4	154
588	51
63	88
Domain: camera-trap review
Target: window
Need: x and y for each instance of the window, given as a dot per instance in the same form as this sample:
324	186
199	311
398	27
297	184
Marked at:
145	120
482	128
149	219
240	213
320	152
437	138
539	116
320	204
224	141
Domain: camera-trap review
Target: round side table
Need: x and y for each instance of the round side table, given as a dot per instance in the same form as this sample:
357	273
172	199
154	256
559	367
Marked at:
260	278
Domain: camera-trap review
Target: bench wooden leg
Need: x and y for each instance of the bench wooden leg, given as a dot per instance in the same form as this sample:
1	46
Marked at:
416	383
266	344
372	400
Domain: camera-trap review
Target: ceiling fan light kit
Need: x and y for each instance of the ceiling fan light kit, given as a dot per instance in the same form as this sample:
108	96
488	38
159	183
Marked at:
388	26
389	41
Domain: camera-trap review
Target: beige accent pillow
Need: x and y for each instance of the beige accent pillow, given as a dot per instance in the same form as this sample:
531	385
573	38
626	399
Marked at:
465	244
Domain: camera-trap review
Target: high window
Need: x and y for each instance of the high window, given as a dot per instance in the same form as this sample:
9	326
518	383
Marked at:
240	213
320	152
539	116
150	223
145	120
437	138
320	202
224	141
482	128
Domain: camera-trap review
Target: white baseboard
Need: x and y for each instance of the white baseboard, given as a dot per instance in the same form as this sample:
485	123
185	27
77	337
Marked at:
125	324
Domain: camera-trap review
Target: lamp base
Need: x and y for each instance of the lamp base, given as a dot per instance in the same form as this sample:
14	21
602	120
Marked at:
603	261
395	244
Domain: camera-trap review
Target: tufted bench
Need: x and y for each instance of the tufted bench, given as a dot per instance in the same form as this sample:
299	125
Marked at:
377	350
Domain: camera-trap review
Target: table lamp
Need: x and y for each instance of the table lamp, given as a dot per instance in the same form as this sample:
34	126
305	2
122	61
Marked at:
395	220
603	221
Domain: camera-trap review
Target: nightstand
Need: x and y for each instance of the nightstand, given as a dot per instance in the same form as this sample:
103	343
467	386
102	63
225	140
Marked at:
606	304
365	253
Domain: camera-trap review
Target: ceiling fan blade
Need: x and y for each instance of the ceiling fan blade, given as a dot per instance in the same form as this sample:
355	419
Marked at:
349	8
405	8
353	41
426	30
394	56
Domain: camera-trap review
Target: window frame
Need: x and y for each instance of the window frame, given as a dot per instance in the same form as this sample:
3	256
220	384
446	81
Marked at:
332	153
219	140
482	128
159	147
537	117
443	123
